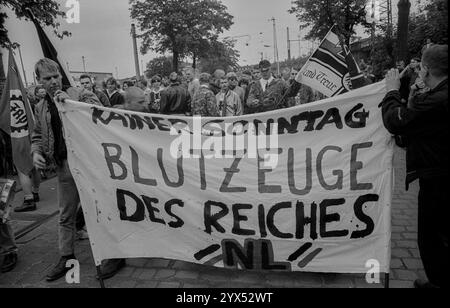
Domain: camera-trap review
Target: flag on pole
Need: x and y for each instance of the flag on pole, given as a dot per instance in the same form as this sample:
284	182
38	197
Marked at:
50	52
16	117
331	69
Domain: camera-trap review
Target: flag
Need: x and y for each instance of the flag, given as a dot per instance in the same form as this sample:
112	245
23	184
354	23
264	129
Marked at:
16	117
331	69
50	52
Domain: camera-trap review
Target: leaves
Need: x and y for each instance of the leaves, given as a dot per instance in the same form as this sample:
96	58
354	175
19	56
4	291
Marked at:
46	12
320	15
183	27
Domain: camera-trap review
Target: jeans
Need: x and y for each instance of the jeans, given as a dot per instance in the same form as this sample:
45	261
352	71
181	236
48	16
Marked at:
7	242
68	200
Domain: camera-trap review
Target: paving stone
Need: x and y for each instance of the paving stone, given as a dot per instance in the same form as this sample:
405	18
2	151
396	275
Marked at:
400	253
414	252
158	263
397	264
164	273
146	284
168	285
147	274
186	274
413	263
406	244
409	235
405	275
400	284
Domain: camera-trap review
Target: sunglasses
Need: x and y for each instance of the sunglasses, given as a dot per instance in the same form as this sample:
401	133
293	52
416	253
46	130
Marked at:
265	70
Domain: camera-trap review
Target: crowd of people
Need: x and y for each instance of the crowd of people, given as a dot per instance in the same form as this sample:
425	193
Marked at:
415	110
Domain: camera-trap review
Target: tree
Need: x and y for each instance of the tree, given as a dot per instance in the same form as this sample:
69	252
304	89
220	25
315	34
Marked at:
402	32
430	23
159	66
46	13
321	15
220	55
173	25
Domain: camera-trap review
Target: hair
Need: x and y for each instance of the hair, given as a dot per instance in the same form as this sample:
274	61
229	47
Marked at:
264	64
84	76
243	81
36	90
219	73
435	58
51	65
247	72
144	82
111	80
204	78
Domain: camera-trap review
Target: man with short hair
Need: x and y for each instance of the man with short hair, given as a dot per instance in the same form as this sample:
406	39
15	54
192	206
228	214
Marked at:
112	91
175	100
204	102
48	144
269	93
423	124
228	101
86	82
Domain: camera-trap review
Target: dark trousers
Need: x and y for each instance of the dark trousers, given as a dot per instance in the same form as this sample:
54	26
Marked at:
433	231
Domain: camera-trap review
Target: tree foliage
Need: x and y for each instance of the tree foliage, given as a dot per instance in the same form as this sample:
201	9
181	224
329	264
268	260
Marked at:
431	22
159	66
46	13
220	55
321	15
182	27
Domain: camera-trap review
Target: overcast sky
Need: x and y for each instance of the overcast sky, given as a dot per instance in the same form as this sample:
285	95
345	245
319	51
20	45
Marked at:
103	35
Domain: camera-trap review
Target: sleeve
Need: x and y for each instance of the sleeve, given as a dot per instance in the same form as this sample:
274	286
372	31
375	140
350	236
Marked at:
397	118
36	136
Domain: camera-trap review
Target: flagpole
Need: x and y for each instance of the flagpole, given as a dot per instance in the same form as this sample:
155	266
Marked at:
23	68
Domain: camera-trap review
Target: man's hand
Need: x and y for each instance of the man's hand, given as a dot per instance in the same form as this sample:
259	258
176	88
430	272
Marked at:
39	161
60	96
299	77
393	80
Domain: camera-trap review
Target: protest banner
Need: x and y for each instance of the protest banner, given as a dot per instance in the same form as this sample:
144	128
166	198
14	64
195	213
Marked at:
303	189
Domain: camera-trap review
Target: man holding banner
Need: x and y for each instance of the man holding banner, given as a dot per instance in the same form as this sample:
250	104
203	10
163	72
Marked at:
425	126
48	143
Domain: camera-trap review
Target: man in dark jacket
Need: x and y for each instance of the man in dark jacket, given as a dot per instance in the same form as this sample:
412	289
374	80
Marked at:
424	124
175	100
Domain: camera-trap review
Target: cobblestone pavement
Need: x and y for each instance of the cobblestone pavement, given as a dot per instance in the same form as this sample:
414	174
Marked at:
38	252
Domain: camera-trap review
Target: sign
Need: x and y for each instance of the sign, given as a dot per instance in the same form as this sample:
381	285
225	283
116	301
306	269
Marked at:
301	189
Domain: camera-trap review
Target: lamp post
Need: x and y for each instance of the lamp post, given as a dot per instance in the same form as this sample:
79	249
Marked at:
275	46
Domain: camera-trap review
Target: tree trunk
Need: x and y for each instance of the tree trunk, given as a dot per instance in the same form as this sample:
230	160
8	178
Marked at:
194	62
176	55
402	33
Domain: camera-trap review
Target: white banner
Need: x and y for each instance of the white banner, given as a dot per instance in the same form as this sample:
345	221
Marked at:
318	201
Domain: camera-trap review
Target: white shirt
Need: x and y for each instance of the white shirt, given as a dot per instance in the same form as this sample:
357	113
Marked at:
265	83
